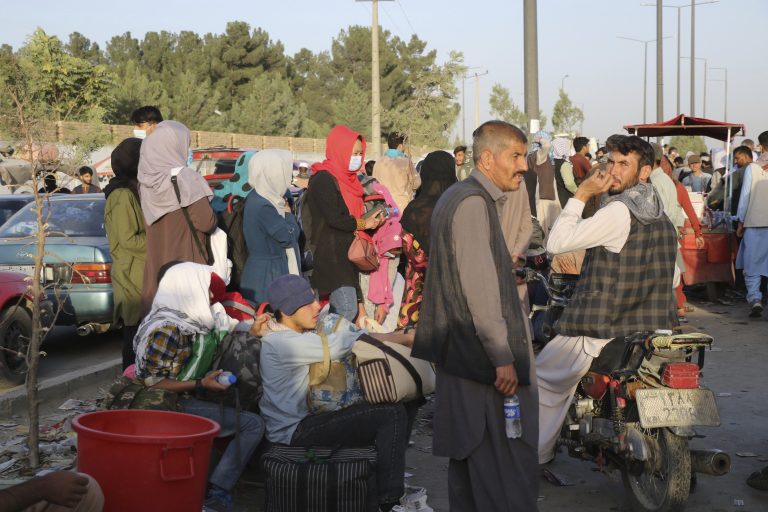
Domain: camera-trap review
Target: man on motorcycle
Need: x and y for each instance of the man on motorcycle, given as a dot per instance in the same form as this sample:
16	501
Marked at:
626	281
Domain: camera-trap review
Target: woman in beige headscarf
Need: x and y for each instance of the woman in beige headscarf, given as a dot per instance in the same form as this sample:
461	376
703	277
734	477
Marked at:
270	229
169	235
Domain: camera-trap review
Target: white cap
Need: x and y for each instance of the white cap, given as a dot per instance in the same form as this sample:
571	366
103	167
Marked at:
303	164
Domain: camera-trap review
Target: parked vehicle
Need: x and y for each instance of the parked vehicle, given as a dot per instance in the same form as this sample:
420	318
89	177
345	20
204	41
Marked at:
11	203
16	326
635	410
77	263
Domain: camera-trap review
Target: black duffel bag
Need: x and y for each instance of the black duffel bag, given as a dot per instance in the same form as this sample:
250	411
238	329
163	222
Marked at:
302	479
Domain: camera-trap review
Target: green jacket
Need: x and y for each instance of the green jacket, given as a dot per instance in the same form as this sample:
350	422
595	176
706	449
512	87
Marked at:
124	223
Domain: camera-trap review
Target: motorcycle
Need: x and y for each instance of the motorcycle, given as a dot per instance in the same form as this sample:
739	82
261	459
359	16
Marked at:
635	411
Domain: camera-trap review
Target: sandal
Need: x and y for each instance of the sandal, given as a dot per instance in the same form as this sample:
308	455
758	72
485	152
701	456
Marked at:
759	480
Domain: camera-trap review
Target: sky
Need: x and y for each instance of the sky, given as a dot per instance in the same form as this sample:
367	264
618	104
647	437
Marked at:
577	38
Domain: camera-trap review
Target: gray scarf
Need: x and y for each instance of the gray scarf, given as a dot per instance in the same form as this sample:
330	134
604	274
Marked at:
642	200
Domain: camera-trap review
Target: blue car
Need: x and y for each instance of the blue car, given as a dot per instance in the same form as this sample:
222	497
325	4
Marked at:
77	263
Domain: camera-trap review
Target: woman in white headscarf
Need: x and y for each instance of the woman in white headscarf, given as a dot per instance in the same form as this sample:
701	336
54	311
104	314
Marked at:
169	235
270	229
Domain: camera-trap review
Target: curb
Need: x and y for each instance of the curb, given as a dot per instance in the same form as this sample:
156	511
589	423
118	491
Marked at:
14	401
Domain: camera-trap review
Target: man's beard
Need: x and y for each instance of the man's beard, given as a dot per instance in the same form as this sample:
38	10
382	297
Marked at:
624	186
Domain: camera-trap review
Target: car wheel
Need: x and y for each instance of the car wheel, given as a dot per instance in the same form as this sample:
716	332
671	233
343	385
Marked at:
15	333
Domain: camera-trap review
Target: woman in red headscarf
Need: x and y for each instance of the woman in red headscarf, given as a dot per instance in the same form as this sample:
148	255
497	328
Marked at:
335	202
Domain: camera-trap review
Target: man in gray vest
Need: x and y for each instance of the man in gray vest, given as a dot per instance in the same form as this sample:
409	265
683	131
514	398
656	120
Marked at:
626	282
472	326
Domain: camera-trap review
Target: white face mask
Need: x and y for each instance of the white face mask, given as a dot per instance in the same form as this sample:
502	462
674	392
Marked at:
140	134
355	162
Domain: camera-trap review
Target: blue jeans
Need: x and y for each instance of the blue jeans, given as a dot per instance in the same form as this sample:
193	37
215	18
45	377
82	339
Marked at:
344	302
382	425
229	468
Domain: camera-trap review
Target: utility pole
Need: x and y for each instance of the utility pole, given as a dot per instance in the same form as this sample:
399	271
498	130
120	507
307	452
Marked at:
659	63
477	97
531	66
375	143
375	85
463	110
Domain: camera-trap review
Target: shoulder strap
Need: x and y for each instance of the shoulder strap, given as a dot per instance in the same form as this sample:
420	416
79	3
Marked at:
397	355
324	365
198	243
248	310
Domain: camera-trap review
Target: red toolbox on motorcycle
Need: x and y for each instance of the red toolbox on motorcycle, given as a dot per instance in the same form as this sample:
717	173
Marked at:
681	375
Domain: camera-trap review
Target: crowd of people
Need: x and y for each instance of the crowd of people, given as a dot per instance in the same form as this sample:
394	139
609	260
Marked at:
446	237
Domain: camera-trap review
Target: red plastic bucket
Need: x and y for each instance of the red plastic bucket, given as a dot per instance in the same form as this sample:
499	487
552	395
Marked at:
146	460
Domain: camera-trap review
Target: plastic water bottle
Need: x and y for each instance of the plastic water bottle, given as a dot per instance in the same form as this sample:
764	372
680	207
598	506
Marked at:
512	417
226	378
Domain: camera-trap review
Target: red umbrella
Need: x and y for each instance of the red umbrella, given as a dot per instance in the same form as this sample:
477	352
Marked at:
687	125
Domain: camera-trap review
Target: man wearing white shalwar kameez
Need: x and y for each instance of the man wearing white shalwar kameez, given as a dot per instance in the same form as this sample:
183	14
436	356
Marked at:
753	226
626	281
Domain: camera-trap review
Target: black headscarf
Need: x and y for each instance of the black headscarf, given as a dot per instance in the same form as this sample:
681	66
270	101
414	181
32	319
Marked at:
125	165
438	172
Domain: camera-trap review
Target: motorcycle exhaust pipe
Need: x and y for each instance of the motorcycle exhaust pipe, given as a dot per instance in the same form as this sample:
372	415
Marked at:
710	462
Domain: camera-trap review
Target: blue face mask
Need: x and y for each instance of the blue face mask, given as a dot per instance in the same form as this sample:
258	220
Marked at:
355	162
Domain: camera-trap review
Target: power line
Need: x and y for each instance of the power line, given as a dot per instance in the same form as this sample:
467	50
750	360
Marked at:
407	19
394	23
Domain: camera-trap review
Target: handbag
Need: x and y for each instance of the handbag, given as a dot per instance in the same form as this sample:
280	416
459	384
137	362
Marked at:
300	479
333	385
362	253
387	372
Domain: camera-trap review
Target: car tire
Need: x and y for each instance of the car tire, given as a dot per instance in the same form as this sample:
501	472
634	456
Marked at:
15	333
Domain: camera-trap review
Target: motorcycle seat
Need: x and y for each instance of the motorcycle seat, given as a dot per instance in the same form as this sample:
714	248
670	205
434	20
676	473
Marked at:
610	357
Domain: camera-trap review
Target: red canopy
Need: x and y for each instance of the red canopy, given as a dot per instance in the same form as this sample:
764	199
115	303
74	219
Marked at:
686	125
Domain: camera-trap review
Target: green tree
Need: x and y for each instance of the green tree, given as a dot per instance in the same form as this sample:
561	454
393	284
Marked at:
565	117
686	143
353	108
238	56
269	109
81	47
428	113
502	107
132	90
69	87
192	102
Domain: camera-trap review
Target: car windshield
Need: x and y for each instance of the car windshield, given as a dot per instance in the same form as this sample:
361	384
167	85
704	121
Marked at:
73	217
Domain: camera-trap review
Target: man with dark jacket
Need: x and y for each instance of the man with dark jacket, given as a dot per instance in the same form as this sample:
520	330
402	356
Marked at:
472	325
626	281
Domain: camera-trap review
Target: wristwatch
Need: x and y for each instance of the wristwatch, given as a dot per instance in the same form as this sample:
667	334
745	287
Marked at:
198	385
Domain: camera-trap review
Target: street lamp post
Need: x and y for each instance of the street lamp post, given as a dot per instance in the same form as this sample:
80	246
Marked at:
645	69
725	95
678	7
562	82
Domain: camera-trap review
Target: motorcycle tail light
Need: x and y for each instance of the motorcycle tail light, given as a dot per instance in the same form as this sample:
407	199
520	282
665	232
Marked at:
91	273
595	385
681	375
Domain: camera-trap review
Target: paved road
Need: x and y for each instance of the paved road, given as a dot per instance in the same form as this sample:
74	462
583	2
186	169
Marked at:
67	352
